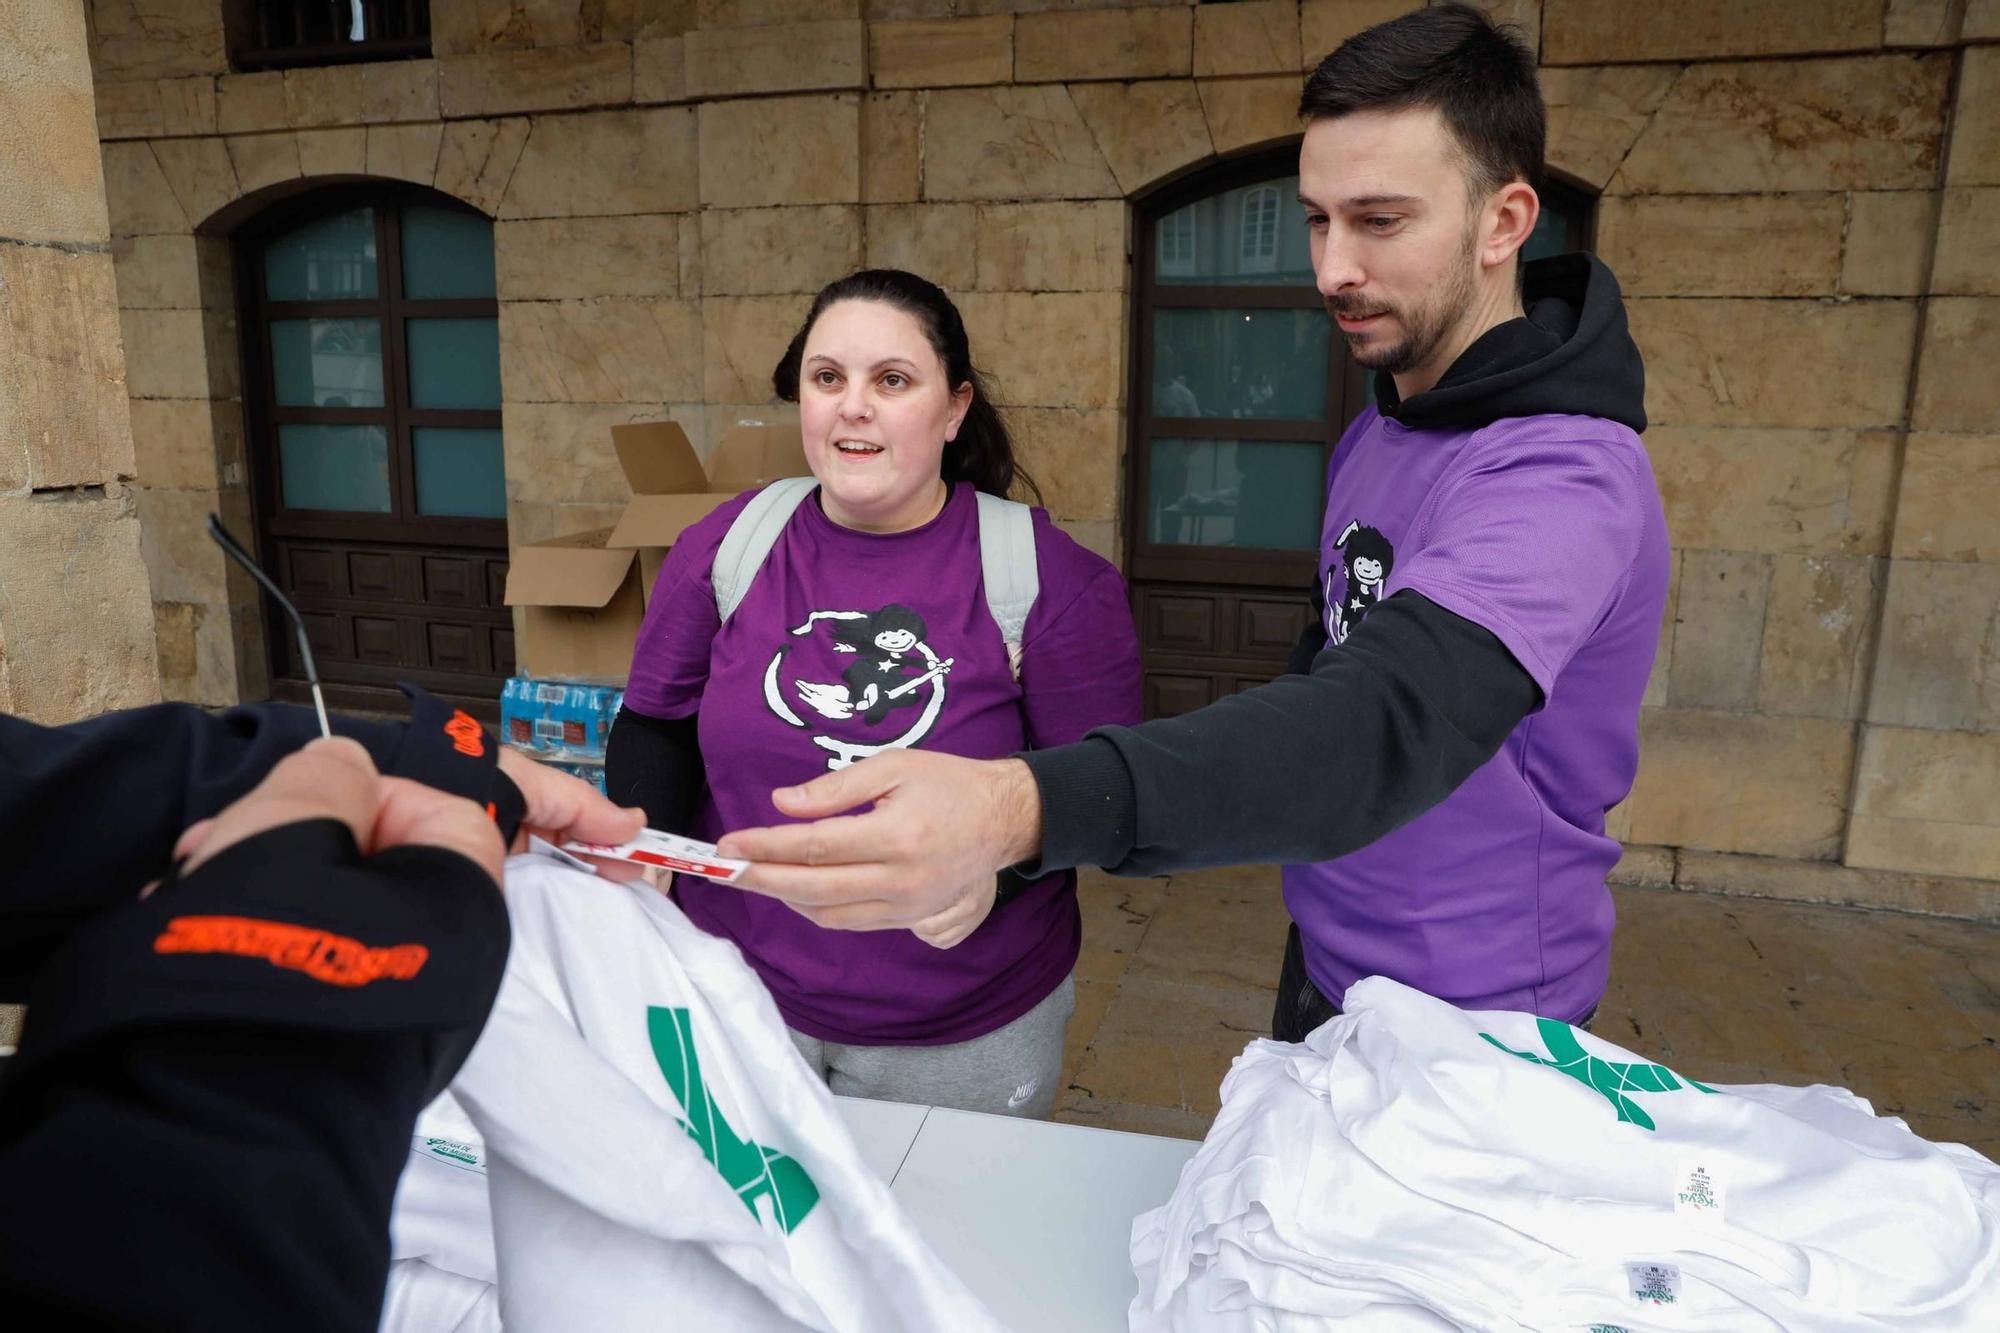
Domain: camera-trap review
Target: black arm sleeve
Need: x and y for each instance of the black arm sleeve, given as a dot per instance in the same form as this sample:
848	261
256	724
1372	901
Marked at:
1306	768
655	763
89	812
218	1084
1311	639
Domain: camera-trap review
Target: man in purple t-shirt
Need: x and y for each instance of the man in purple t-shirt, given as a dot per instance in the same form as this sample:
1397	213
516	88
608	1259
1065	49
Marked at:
1493	568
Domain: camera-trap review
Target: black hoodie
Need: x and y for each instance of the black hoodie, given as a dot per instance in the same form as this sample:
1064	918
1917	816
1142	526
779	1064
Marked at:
1427	694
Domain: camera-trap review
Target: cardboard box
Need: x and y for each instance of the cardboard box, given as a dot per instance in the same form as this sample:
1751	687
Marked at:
583	597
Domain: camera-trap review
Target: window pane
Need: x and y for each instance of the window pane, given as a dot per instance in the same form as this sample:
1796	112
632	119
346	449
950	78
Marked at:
1551	235
446	254
454	362
1234	493
327	362
334	467
332	259
459	474
1251	234
1240	363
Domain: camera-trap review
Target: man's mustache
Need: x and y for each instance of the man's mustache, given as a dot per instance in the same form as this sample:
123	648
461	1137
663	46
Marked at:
1354	309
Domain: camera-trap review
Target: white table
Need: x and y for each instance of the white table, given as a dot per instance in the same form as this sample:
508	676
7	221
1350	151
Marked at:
1036	1217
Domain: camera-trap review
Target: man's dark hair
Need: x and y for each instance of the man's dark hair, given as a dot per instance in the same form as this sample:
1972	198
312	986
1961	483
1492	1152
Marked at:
1479	76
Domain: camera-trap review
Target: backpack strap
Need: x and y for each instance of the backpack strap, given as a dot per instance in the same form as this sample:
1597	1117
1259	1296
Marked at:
1007	562
750	539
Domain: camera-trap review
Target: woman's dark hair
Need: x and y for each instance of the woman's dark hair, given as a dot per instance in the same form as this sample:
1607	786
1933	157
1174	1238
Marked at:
1480	77
982	454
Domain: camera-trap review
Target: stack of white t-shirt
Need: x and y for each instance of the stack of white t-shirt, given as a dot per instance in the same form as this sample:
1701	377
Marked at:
635	1143
1414	1166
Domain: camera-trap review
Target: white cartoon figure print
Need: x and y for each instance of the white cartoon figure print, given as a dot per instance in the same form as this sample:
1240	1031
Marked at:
892	669
1367	557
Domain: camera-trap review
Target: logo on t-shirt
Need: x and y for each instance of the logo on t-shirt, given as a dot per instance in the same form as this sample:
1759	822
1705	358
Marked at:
1366	557
1610	1079
890	687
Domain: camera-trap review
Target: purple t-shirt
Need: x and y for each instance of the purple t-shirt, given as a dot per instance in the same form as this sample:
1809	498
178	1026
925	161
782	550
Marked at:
847	643
1548	532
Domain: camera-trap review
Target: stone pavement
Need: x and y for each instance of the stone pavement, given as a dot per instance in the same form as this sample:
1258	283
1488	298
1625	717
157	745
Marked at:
1178	973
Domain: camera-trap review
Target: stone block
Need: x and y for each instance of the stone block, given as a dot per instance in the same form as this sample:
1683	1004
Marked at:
460	26
1847	886
557	258
1803	492
1945	510
1734	782
1938	663
1981	22
187	106
129	110
262	160
615	350
157	272
1648	867
781	150
494	83
766	251
1098	535
1975	121
1146	131
1775	363
148	39
659	70
62	398
641	20
181	443
1104	44
1956	387
1073	455
1864	123
404	152
200	174
1325	24
1919	23
165	353
935	240
342	152
75	616
476	159
1596	115
1049	349
183	563
611	162
1603	32
1663	649
891	148
742	338
174	638
1053	247
1242	113
251	103
1741	245
1719	629
317	97
1884	253
1011	143
758	13
562	451
941	53
1968	244
1816	635
1255	37
779	58
51	174
1926	802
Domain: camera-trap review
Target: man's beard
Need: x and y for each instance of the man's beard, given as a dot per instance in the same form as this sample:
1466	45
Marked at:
1422	331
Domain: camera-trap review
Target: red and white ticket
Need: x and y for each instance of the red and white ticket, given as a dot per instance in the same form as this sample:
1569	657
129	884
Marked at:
668	851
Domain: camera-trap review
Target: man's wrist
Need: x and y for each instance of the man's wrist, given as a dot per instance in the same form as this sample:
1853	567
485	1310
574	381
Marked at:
1020	811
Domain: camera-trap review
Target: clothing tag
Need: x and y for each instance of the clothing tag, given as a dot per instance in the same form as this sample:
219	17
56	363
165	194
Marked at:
543	847
1655	1284
689	856
1698	1191
452	1152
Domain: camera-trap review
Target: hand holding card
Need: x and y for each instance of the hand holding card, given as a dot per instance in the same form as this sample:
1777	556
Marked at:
666	851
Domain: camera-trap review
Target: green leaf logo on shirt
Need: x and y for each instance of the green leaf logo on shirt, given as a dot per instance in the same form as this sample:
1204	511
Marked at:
1613	1080
753	1171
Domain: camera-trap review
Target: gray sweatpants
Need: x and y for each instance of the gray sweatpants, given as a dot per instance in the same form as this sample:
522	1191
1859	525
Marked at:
1015	1070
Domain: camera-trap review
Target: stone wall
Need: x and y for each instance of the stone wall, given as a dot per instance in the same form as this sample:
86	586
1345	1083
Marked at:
76	628
1801	198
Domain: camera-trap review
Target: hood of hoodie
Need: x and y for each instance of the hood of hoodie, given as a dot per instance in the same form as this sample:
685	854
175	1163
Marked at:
1571	354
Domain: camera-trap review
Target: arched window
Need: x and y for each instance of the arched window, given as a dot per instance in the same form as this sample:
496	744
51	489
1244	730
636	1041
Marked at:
373	390
1239	391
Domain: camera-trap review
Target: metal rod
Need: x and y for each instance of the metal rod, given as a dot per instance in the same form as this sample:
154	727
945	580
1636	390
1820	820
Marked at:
245	559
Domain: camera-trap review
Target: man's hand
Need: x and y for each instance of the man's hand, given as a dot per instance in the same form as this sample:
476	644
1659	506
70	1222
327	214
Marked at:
941	827
956	923
562	807
335	779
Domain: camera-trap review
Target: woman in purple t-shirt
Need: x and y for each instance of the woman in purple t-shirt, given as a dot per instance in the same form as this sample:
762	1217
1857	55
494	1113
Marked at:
867	628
